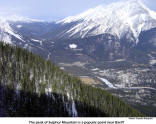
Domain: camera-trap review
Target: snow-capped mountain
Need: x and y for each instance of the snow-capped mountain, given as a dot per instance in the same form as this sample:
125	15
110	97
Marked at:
120	19
16	18
107	32
7	32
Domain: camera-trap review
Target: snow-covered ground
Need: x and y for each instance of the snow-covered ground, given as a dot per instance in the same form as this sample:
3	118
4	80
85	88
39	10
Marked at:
74	111
109	84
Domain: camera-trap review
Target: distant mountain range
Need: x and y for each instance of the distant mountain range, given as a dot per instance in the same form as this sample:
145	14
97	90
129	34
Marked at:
120	24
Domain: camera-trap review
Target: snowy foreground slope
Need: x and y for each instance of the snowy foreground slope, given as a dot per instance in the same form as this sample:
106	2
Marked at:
118	18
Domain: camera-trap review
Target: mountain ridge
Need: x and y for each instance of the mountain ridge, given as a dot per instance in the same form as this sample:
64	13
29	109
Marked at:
117	18
122	19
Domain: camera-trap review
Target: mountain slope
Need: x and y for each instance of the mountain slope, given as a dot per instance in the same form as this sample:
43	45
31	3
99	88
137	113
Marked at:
121	18
7	33
31	86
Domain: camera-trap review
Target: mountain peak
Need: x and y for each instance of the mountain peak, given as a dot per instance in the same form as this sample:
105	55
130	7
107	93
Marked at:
116	18
113	8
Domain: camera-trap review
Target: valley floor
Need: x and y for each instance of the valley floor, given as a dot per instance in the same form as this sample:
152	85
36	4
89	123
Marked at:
135	84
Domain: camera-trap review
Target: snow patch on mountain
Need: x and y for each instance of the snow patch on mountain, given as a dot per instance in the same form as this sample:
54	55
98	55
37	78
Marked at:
39	41
73	46
6	31
117	18
95	69
19	26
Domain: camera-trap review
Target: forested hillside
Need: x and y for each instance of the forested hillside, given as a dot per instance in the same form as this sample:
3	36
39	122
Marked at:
32	86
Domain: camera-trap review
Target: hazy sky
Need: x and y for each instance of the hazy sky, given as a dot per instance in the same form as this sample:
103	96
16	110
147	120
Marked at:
54	9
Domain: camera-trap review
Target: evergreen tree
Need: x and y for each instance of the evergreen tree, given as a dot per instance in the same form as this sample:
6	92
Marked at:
32	86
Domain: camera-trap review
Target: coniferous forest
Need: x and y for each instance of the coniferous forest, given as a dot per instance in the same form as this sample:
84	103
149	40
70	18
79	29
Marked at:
33	87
